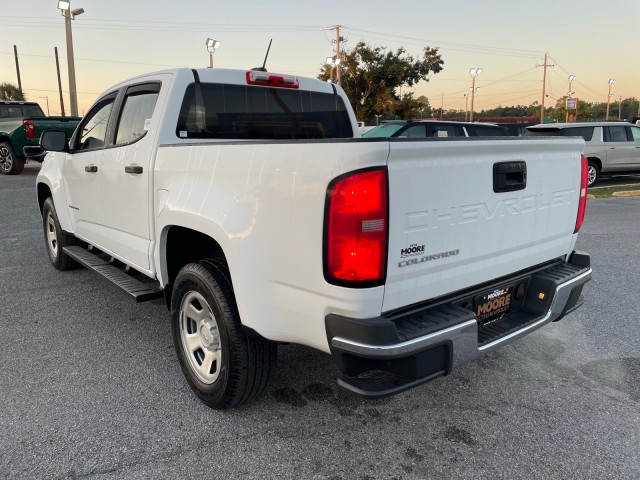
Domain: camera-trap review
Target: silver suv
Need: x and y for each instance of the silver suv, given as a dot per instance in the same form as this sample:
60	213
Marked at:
612	148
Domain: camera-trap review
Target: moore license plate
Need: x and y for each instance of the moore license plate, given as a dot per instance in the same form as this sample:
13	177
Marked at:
493	304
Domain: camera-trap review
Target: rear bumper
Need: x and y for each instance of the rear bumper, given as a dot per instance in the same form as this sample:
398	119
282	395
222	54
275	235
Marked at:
388	354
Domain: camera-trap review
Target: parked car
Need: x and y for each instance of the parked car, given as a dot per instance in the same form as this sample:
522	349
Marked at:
21	124
612	148
434	129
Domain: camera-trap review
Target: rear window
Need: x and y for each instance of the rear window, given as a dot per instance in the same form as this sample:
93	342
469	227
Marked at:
584	132
243	112
486	131
20	111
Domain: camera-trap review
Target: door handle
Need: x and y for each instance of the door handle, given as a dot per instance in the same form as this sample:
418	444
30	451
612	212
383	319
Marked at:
137	169
91	168
612	148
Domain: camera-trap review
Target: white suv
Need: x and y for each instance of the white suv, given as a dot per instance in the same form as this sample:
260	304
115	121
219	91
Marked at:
613	148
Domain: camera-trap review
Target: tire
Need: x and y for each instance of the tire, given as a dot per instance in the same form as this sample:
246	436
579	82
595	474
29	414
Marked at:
56	239
10	164
223	365
593	173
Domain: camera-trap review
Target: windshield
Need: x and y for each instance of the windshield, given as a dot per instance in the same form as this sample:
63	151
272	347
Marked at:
383	131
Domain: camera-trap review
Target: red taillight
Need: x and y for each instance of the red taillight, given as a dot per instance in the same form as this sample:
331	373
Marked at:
30	129
356	229
582	203
272	80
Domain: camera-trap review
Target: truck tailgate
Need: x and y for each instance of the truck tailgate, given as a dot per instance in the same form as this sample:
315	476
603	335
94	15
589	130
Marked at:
448	228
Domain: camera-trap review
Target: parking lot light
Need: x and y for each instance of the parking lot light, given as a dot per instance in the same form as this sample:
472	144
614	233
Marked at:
212	45
474	72
68	14
611	82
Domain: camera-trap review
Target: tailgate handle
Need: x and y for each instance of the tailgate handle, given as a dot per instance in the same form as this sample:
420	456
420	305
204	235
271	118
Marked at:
133	169
509	176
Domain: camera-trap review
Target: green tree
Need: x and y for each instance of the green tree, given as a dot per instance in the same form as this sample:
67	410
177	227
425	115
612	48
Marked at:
371	76
9	91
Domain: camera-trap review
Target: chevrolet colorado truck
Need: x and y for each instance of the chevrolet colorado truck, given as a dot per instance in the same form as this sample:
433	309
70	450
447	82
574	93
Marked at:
21	124
247	200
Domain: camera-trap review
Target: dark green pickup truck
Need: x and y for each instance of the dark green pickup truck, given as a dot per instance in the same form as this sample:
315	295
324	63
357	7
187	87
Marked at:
21	124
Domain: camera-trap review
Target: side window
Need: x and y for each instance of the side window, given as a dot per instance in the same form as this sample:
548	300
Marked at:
616	134
135	117
585	132
93	132
444	131
414	131
635	133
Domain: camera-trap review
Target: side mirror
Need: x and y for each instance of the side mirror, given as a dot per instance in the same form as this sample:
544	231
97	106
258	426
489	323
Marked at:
54	141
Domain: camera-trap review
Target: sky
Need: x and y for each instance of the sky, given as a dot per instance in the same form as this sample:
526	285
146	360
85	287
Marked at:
117	39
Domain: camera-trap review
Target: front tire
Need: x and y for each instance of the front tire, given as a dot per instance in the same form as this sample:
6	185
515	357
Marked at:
223	365
56	239
593	173
10	164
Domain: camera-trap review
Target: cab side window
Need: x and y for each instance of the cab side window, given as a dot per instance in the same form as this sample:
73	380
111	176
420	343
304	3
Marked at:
137	111
635	133
414	131
93	132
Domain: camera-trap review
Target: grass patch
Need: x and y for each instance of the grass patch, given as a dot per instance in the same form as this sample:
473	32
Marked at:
607	192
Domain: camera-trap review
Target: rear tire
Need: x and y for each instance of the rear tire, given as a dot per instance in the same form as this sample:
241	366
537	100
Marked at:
56	239
223	365
593	173
10	164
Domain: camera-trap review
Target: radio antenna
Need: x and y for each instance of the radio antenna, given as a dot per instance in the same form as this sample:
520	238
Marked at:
263	67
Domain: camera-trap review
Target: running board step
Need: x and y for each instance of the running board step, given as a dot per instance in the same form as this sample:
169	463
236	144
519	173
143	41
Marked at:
378	384
141	292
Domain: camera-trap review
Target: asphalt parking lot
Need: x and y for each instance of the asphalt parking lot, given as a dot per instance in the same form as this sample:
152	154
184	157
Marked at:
90	386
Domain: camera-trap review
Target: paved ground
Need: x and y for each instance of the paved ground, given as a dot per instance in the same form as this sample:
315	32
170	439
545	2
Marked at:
90	386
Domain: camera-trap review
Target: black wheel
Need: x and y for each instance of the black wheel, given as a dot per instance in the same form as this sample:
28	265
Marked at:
10	164
56	239
593	173
223	365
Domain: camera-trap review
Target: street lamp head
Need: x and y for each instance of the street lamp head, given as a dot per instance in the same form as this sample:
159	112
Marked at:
64	4
612	81
212	44
77	11
474	72
572	78
570	93
329	61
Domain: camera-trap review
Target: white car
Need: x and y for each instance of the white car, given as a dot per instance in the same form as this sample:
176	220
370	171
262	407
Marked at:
612	148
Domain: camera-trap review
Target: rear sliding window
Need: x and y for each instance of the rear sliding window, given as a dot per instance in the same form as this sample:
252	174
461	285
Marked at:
242	112
485	131
20	111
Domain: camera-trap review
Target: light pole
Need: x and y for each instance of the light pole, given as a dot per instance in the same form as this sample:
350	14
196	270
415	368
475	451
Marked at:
611	82
474	72
47	104
466	106
68	14
571	92
212	45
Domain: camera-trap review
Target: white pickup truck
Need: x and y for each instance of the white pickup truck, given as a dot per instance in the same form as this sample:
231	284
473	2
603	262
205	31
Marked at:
247	201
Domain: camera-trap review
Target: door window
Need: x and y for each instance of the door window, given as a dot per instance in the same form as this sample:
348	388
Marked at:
414	131
93	132
136	116
635	133
616	134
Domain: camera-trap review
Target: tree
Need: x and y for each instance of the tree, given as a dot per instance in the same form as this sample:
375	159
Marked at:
371	75
9	91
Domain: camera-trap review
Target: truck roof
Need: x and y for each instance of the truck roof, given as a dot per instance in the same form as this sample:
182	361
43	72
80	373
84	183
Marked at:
16	102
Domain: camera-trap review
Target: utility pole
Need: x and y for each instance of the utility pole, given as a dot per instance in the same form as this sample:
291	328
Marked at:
55	49
544	85
620	107
15	53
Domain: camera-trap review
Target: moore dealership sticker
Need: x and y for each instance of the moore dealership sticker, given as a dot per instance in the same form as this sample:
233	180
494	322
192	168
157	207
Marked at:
493	304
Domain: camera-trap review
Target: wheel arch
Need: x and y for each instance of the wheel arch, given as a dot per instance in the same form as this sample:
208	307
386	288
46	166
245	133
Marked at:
596	160
182	245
